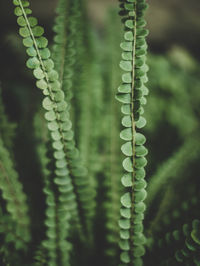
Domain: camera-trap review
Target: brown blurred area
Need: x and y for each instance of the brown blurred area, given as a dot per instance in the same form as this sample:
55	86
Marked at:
170	22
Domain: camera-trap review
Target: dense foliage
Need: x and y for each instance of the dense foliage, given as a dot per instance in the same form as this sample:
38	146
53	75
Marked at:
75	185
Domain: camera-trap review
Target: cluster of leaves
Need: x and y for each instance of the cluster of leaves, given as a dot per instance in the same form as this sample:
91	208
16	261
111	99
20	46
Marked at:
85	209
132	94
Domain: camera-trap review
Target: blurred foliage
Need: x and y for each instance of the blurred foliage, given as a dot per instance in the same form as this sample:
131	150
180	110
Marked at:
172	132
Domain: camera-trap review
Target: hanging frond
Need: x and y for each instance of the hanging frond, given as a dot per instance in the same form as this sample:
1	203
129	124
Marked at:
16	205
132	95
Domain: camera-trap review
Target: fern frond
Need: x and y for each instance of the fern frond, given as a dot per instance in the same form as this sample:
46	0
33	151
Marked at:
110	126
184	245
70	62
55	248
173	168
6	127
176	215
12	193
132	94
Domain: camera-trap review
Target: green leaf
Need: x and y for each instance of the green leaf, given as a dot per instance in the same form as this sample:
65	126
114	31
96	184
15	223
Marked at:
140	52
129	24
38	73
139	139
145	90
141	122
59	96
127	149
190	244
32	21
33	63
59	154
140	162
140	184
61	163
128	36
68	135
49	65
61	106
139	72
129	6
126	134
126	65
141	22
142	32
124	256
128	165
47	104
56	135
127	46
31	51
127	56
138	228
131	13
138	93
61	171
125	88
64	116
66	125
53	126
23	2
127	121
124	244
140	207
123	97
124	223
42	84
127	78
138	261
53	75
126	109
50	116
38	31
126	213
126	200
139	251
127	180
140	195
28	42
58	145
45	53
18	11
124	234
143	100
139	217
24	32
140	151
21	21
42	42
139	239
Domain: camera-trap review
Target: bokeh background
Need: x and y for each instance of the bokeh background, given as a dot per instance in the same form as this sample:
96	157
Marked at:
172	111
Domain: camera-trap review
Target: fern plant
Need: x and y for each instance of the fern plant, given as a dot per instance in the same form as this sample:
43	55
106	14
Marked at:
74	192
132	94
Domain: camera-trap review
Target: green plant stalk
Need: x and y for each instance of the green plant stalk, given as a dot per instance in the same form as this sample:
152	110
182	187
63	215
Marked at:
131	94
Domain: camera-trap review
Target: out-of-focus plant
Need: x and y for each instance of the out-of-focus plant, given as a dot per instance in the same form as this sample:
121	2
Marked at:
68	197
